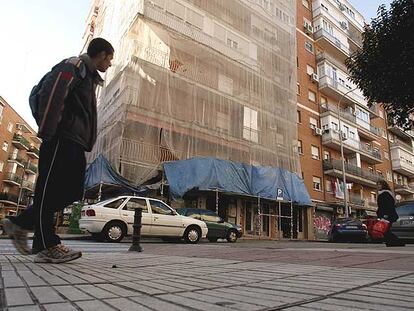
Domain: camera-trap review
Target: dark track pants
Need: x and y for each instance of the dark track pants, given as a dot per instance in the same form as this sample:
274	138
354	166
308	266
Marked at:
59	183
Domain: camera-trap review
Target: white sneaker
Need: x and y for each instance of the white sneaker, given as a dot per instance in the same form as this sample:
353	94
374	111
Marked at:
57	254
18	236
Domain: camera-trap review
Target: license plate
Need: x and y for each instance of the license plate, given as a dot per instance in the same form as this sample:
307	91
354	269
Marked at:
406	222
352	227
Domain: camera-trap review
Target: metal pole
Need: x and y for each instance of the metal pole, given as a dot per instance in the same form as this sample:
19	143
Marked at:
259	220
136	234
279	220
342	152
291	220
100	192
217	201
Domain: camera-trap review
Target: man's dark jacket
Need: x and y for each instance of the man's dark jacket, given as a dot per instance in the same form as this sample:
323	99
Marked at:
69	102
386	206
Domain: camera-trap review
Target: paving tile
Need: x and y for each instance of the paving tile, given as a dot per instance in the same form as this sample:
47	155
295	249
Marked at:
125	304
157	304
46	294
59	307
17	297
96	291
94	305
72	293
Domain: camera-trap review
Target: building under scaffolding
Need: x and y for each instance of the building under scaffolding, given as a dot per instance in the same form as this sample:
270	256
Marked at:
194	78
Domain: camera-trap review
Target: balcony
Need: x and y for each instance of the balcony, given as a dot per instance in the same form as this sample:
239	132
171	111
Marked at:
12	179
33	152
400	132
28	185
403	189
30	168
353	173
365	129
402	165
337	91
400	144
356	199
20	142
8	198
16	159
331	44
330	138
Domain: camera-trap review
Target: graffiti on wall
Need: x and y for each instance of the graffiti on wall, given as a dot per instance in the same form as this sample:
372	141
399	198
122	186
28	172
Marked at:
322	225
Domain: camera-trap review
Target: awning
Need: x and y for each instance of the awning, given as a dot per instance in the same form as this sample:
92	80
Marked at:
234	177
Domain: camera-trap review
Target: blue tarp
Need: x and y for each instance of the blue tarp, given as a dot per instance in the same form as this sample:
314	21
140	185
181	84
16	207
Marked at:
233	177
100	172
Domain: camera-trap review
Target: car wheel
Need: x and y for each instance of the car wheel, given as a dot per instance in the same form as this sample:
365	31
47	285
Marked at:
212	239
114	231
192	235
232	236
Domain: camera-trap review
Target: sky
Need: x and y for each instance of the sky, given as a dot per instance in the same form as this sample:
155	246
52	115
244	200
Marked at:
37	34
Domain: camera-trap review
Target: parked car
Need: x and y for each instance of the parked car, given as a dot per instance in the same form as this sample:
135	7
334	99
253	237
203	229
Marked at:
217	227
404	226
113	219
348	229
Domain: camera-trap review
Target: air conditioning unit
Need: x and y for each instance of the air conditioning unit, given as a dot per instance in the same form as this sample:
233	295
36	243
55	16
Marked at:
308	28
314	77
317	131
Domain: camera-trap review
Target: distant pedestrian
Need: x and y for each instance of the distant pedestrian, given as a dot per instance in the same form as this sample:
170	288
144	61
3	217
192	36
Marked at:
386	210
64	106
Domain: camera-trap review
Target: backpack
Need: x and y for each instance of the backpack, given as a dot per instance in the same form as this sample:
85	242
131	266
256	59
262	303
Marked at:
36	102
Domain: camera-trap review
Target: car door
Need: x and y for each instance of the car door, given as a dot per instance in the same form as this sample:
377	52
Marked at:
109	209
165	221
404	226
128	211
216	228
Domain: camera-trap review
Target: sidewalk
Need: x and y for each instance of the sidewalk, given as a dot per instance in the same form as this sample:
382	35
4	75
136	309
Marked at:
196	277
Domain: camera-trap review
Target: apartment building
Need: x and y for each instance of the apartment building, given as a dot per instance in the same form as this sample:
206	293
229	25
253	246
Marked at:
332	112
203	79
18	160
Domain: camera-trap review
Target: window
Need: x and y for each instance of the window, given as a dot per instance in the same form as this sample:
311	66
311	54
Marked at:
334	126
373	197
312	96
386	155
299	117
309	69
379	172
158	207
134	203
309	46
232	43
313	123
1	166
406	210
193	213
315	152
317	183
351	134
115	204
300	149
250	131
328	186
223	121
323	100
1	112
326	155
371	169
5	146
207	215
381	114
389	176
10	127
306	4
298	89
384	133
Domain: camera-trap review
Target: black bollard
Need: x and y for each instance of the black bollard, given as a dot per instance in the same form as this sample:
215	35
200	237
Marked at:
136	234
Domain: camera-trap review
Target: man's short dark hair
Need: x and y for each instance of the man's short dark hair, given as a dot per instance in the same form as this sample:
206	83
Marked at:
99	45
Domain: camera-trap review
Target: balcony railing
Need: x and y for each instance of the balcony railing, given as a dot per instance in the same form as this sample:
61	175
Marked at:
352	144
19	140
342	90
356	199
28	185
399	143
13	177
30	167
403	187
322	33
5	196
350	117
351	169
33	152
15	158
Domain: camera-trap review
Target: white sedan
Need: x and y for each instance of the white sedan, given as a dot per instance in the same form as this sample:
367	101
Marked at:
112	219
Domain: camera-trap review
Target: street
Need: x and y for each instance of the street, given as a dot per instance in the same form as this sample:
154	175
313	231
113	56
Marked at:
248	275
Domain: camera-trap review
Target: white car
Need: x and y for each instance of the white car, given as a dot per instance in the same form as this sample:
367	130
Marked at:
112	219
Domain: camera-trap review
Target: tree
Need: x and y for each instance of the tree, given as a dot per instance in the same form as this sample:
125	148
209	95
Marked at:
384	68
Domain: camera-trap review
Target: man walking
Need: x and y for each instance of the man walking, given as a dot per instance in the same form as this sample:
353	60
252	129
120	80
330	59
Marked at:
64	106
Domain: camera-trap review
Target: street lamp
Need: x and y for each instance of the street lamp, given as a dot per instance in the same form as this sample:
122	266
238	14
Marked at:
342	152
